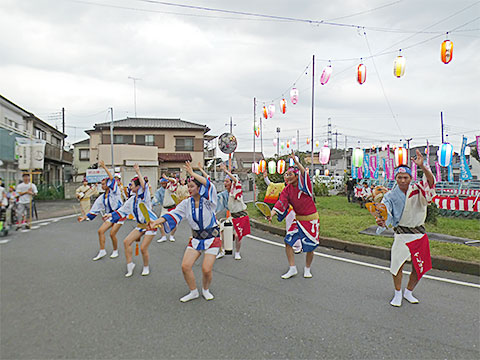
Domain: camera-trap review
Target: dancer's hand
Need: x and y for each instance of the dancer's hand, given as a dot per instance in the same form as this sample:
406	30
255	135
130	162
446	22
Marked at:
418	160
188	168
82	218
101	163
223	166
106	217
136	168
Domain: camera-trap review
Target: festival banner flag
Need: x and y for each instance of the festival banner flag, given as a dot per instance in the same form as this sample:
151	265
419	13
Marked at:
414	171
360	173
366	163
385	170
426	161
377	165
465	173
373	167
438	172
450	173
478	145
354	172
392	169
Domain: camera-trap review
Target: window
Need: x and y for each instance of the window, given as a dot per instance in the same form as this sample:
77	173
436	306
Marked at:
84	155
148	140
40	134
184	144
123	139
56	141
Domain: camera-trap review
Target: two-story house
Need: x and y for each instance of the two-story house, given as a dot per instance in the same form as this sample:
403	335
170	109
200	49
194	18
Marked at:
158	145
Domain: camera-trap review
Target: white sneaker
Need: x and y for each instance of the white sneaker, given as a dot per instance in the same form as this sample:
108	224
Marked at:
130	268
291	272
100	255
307	273
410	298
172	239
162	239
220	254
114	254
145	271
397	299
238	256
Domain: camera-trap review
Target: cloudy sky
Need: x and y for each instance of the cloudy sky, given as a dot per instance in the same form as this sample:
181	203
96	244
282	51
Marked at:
207	66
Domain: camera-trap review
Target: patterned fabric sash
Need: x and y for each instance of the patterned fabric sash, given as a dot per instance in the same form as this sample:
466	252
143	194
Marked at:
409	230
310	217
206	233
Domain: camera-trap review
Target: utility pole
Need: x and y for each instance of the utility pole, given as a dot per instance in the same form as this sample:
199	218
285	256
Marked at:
230	155
261	136
329	133
134	92
441	123
253	162
408	147
336	133
111	137
313	110
298	143
345	156
63	146
278	142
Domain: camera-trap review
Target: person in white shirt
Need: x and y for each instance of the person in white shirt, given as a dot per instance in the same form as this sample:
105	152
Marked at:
26	191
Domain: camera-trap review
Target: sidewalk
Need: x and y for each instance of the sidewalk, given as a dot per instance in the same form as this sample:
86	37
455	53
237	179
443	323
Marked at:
53	208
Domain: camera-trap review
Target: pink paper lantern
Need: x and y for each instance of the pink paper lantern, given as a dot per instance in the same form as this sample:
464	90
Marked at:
326	73
294	96
281	166
283	106
274	142
294	141
255	168
324	155
271	110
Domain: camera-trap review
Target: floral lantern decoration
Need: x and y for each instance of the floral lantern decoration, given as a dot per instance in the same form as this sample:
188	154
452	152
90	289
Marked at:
308	141
257	130
399	66
274	142
317	172
447	51
294	95
262	166
283	106
282	145
357	157
265	112
317	143
271	110
445	154
288	144
294	141
326	73
255	168
272	167
361	74
401	156
324	155
327	172
281	166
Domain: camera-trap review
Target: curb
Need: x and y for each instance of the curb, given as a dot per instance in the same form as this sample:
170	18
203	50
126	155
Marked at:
438	262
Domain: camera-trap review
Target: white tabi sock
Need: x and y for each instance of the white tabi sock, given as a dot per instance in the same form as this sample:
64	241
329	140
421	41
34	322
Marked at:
307	273
291	272
130	267
410	298
146	271
397	298
207	294
193	294
100	255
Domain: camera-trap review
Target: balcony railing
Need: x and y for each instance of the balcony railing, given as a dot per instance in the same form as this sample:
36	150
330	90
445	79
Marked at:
53	153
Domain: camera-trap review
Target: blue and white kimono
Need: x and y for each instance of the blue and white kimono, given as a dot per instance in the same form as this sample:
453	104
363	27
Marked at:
108	202
202	220
131	207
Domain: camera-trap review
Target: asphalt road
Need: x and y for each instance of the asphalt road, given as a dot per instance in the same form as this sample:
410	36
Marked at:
55	302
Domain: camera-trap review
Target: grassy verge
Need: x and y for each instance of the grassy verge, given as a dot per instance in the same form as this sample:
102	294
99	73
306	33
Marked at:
342	220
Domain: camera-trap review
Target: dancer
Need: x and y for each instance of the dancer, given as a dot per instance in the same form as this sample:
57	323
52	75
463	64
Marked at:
83	193
271	197
158	200
407	209
140	194
168	204
299	194
108	202
237	207
199	210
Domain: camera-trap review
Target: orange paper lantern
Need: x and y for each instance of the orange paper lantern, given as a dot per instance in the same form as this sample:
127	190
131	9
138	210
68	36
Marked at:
281	166
447	51
401	156
262	166
265	112
361	74
283	106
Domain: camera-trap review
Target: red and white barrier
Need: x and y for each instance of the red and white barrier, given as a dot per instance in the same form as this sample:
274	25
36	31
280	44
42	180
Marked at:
463	192
471	203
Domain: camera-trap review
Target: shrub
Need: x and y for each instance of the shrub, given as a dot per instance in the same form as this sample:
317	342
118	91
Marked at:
432	214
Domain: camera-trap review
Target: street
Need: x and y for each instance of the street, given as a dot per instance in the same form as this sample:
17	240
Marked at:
58	303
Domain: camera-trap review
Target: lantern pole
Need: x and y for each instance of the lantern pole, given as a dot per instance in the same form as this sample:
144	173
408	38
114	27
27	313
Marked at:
313	105
298	143
261	136
278	142
253	162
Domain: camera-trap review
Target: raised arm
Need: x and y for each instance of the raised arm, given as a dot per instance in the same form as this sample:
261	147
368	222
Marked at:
426	169
297	163
101	163
204	173
224	168
139	174
189	169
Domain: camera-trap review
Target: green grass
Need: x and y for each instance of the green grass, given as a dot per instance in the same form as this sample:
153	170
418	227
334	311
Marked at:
343	220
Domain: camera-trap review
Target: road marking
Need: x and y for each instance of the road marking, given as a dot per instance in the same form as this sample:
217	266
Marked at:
45	223
374	266
35	227
25	230
55	219
4	241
